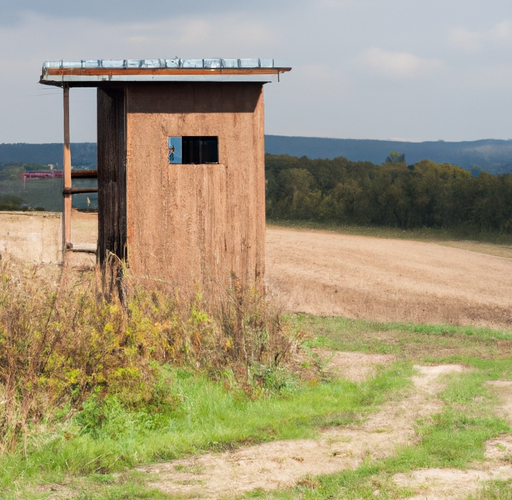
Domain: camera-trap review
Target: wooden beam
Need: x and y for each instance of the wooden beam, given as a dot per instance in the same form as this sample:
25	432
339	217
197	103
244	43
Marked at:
90	174
66	213
163	71
79	190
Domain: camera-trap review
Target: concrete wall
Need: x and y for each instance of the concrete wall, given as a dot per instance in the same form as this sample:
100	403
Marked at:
31	236
196	223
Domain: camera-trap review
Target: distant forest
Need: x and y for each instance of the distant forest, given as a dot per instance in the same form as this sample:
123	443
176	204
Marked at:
340	191
489	155
393	194
82	153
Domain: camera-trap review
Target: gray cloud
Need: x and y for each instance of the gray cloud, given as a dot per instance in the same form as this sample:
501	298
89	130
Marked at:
133	10
361	68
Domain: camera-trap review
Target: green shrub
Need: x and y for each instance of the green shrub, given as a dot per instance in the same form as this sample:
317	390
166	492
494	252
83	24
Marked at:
96	344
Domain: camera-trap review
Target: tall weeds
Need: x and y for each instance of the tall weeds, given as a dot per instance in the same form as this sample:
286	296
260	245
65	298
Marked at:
62	342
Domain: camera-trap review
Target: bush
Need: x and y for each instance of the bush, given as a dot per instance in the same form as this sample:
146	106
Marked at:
91	344
10	202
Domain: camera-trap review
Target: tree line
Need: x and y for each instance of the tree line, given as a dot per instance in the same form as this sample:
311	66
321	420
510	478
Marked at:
340	191
394	194
14	170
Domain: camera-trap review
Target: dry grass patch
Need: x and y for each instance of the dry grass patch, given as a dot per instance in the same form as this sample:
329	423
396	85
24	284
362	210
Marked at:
354	366
504	251
99	334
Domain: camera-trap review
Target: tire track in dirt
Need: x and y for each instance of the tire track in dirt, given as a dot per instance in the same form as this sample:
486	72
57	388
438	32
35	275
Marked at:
285	463
447	484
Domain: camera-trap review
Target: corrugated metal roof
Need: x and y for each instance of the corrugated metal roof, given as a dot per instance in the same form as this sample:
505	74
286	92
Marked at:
95	72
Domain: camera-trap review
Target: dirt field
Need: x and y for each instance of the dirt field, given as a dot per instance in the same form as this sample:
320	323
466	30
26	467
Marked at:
327	273
382	279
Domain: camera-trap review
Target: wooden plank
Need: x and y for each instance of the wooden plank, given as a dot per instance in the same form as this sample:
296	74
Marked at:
83	249
84	174
111	173
79	190
66	214
164	71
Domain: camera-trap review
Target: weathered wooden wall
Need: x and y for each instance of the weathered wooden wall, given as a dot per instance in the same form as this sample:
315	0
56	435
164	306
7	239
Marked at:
111	172
196	223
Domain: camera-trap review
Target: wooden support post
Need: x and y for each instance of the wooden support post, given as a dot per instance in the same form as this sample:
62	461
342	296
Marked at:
66	213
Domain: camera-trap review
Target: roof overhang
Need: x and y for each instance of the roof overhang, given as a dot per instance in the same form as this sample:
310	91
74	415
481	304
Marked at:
99	72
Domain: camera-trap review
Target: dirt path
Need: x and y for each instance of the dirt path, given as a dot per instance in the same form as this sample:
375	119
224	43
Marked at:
382	279
441	484
285	463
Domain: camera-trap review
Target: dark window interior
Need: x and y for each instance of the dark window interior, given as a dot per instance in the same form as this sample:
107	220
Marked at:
200	149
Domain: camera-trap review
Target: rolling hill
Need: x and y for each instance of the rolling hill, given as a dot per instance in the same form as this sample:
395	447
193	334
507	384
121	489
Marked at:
491	155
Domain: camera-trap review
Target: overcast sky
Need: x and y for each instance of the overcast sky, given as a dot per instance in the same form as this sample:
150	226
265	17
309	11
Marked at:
364	69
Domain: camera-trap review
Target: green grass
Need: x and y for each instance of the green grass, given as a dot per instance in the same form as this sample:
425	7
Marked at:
454	438
207	418
495	490
421	234
420	343
131	485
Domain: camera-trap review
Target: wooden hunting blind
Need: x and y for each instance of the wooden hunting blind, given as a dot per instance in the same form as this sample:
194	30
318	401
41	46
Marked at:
181	180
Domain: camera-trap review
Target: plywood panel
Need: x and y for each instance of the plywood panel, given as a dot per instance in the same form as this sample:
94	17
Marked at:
196	223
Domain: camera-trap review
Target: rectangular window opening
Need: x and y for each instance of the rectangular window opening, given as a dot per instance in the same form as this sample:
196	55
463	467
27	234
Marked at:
193	149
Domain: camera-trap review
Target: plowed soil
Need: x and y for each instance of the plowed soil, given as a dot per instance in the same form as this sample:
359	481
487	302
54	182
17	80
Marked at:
327	273
388	280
